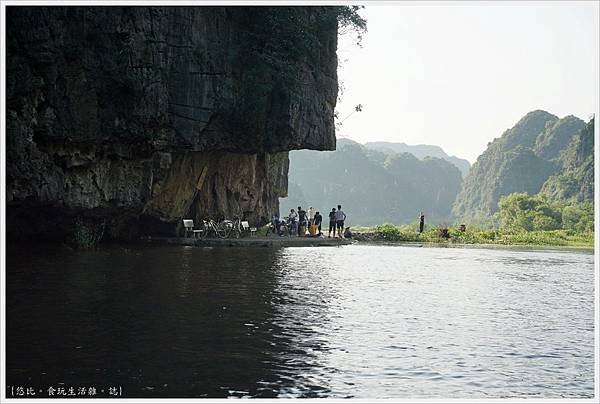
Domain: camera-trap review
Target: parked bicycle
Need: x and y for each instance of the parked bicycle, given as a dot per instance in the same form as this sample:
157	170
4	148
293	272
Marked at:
226	226
209	226
236	229
232	228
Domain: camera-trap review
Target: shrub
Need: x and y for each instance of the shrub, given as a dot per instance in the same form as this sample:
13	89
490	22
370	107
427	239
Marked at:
520	212
389	232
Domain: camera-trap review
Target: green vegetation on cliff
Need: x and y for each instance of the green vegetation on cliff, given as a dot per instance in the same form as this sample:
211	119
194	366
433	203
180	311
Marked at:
523	160
555	138
576	179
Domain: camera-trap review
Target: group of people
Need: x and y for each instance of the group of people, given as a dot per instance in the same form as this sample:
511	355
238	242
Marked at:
312	221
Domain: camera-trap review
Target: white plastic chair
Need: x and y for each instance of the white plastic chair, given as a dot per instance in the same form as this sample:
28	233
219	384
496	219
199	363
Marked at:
188	224
246	227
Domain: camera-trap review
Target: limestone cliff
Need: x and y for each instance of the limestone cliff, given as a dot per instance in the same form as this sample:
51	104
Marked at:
521	160
140	116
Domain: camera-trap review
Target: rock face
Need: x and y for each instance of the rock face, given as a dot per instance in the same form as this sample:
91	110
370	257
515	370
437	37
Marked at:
140	116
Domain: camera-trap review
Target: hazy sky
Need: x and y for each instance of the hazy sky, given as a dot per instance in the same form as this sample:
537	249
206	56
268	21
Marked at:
458	74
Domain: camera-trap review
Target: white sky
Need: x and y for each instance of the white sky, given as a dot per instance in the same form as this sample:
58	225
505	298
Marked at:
458	74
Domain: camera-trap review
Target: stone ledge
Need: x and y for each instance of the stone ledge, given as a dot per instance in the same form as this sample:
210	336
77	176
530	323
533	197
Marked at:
250	241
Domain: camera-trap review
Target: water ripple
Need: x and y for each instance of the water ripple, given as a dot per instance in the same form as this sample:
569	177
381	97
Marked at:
349	322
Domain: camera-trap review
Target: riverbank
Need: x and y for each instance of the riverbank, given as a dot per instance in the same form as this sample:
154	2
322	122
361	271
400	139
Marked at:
253	241
359	238
452	236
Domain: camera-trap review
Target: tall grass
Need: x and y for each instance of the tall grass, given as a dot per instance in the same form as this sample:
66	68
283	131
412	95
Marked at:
390	232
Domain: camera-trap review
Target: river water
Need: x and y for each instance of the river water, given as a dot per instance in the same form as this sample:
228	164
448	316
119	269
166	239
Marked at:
354	321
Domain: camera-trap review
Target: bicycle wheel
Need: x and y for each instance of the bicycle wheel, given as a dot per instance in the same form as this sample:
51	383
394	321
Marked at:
223	230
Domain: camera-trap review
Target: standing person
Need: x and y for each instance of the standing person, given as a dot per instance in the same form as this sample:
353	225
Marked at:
331	222
276	223
293	219
302	221
311	216
421	222
318	221
340	216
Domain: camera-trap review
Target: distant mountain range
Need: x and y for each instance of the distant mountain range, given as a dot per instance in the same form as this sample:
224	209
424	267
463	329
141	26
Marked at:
374	187
421	151
392	182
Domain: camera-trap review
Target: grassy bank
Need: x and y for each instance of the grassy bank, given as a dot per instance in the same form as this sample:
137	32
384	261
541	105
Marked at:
562	238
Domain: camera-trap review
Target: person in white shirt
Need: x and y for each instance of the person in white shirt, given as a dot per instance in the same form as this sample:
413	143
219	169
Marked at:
311	216
293	216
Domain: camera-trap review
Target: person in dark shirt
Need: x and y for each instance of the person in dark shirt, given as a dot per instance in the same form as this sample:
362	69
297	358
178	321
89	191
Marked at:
302	219
331	222
421	222
276	223
318	221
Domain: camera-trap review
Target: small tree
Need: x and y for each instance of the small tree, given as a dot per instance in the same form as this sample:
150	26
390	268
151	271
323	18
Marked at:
519	212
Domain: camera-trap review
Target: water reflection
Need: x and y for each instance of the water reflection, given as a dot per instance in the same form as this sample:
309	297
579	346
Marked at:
357	321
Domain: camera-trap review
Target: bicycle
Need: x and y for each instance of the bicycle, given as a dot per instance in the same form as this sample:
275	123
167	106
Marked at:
210	226
225	226
236	229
